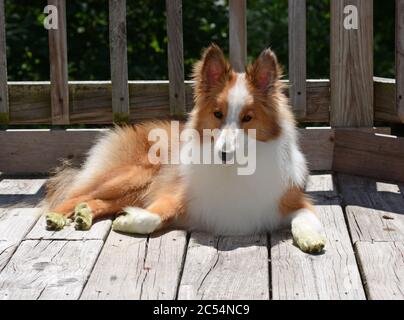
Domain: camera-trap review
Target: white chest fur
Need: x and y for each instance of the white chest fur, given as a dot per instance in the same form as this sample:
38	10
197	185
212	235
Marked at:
223	202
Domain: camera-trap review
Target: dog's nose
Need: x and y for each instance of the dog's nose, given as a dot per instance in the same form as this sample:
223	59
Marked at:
226	156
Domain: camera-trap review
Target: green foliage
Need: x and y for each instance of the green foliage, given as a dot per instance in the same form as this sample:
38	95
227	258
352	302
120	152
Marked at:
204	22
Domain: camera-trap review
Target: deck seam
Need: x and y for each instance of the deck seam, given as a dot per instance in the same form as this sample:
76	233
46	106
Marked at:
348	226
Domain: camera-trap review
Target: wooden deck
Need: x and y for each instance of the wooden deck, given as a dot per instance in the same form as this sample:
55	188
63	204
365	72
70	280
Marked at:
364	258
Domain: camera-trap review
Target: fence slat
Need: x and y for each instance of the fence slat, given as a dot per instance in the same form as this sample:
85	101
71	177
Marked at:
238	34
175	57
58	66
4	111
351	63
119	60
297	56
400	58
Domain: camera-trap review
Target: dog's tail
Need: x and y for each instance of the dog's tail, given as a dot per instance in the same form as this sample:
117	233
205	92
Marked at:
59	185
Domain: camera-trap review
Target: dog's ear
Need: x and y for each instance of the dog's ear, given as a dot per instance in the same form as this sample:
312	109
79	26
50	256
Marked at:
212	70
265	72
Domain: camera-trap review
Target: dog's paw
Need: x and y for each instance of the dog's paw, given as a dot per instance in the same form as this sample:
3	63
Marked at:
308	240
55	221
83	217
137	220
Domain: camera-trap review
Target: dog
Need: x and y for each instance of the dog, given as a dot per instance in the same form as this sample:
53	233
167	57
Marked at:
119	178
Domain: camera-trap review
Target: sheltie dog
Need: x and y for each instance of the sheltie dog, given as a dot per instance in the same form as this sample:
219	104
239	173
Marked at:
119	178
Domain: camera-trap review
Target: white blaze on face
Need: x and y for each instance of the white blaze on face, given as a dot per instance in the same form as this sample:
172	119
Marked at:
237	98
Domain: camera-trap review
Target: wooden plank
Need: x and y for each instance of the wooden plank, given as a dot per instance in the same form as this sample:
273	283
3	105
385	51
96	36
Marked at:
385	100
45	149
4	110
382	265
238	34
175	58
332	275
230	268
14	225
152	266
400	58
90	101
297	56
58	66
369	155
38	151
352	66
119	60
318	146
21	193
375	210
98	231
48	270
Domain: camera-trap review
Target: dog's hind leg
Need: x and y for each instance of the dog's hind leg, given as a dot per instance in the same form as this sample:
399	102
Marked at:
86	212
58	217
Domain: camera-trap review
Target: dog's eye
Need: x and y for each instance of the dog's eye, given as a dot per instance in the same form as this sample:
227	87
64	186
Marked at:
218	114
247	118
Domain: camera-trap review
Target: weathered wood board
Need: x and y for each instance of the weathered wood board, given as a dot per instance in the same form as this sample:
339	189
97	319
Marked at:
332	275
21	192
91	101
297	56
27	151
175	57
14	225
48	269
59	92
230	268
4	110
238	34
137	267
375	210
400	58
118	60
382	265
351	65
368	154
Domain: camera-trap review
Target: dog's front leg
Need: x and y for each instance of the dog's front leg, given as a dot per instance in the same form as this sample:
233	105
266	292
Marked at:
158	215
307	231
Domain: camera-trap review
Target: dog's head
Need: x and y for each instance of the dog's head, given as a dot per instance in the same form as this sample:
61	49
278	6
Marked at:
234	102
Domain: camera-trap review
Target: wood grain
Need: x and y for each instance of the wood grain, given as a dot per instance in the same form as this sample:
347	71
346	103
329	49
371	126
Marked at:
385	105
369	155
4	111
58	66
297	56
136	267
21	193
238	34
332	275
39	151
175	58
375	210
400	58
90	101
230	268
118	60
48	270
45	149
382	264
352	66
14	225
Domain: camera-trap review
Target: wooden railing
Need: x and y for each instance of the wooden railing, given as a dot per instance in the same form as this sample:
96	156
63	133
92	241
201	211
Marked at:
352	98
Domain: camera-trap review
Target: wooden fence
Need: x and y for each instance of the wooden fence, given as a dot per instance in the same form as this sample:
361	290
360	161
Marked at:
353	97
